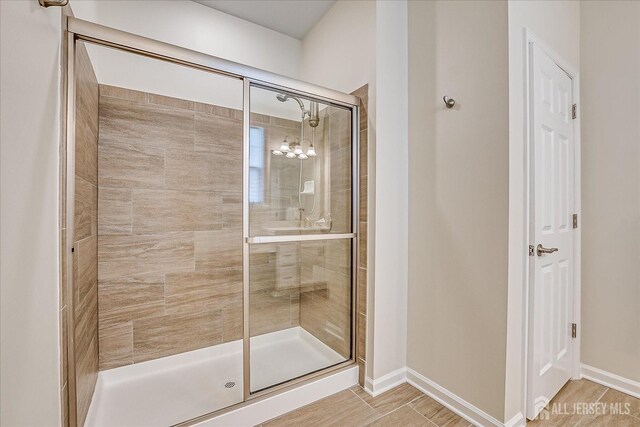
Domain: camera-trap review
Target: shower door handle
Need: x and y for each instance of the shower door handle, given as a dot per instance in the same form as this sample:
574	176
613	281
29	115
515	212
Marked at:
542	250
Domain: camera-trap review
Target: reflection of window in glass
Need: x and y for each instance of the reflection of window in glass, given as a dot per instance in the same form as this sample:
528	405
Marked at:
256	165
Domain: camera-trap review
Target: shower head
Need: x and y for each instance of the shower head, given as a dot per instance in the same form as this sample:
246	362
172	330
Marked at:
283	98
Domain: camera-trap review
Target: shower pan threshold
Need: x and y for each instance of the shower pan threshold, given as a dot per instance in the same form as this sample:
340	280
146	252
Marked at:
172	389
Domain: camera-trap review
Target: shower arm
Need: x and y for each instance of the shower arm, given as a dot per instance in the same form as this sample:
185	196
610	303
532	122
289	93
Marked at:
295	98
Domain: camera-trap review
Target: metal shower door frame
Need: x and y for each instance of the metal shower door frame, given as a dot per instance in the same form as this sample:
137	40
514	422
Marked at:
80	30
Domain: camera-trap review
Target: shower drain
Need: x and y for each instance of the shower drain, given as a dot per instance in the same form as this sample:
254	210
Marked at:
230	384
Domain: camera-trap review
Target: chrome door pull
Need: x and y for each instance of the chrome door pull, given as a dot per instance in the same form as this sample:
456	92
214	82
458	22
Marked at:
543	250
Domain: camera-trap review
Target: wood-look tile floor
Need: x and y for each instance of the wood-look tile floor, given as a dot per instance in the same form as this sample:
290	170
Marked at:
583	403
403	405
407	407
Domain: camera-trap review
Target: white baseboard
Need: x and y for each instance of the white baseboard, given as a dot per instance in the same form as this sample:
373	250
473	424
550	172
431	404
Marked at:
274	406
386	382
456	404
517	421
610	380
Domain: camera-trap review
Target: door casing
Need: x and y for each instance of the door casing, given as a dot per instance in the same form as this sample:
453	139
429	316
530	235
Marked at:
531	39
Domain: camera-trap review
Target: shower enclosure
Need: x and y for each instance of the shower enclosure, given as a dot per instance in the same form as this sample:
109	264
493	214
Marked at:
210	239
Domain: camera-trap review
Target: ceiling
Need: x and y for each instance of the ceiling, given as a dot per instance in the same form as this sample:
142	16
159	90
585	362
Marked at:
294	18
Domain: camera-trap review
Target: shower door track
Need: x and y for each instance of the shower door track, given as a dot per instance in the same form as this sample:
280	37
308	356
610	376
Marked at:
80	30
106	36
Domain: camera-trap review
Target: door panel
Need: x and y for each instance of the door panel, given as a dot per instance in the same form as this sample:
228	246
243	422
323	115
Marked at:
300	237
552	190
300	309
304	193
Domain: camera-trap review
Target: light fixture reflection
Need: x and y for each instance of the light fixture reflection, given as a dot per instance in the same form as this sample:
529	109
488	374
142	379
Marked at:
293	149
311	152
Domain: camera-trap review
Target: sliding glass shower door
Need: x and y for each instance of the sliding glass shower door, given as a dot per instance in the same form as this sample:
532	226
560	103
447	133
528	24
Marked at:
210	230
299	236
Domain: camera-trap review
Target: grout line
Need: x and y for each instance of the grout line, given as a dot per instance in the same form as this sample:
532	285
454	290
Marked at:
423	416
602	395
418	397
164	294
384	415
363	400
605	392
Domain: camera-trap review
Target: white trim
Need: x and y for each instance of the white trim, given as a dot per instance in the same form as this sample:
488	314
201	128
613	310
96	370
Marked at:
386	382
518	420
572	71
616	382
440	394
271	407
577	234
456	404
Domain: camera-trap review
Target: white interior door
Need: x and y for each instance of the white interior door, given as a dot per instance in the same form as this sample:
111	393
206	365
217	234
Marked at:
552	206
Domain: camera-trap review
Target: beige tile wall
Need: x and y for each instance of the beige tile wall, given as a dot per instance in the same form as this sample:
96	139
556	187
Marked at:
274	303
325	308
361	304
325	300
85	255
331	168
169	226
274	291
281	174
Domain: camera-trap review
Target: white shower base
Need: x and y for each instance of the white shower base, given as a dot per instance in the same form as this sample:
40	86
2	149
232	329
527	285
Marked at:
173	389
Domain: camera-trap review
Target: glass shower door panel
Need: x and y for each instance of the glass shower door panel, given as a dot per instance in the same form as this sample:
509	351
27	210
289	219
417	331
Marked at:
299	165
300	309
300	272
163	162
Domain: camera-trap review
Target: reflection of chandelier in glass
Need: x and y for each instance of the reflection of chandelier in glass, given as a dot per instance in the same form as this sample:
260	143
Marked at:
293	149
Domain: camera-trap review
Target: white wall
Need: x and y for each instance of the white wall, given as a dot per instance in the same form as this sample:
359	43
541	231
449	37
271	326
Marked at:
458	198
388	318
557	23
610	111
123	69
357	43
30	138
340	50
209	31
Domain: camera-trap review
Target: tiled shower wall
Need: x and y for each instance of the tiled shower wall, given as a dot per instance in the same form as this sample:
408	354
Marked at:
361	305
170	254
170	228
274	302
325	292
85	255
325	299
170	217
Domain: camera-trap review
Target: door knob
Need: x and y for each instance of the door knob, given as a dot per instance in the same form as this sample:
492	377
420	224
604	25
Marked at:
543	250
